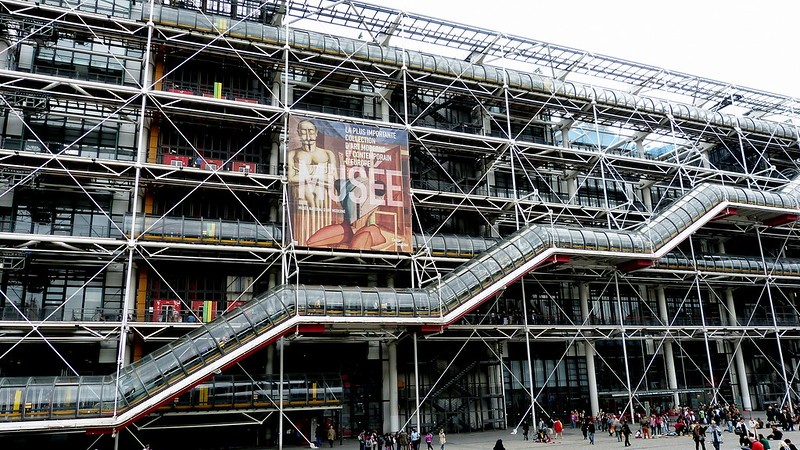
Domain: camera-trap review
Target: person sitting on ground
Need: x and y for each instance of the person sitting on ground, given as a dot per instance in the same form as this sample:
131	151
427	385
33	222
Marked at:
542	436
680	427
776	434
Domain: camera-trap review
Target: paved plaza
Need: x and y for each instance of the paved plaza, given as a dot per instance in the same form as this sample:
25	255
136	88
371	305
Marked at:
574	439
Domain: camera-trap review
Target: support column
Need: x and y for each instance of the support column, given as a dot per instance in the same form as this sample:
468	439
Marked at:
639	143
594	400
486	123
497	387
741	371
565	127
647	199
416	385
669	358
705	161
385	109
486	129
275	150
571	186
391	409
269	367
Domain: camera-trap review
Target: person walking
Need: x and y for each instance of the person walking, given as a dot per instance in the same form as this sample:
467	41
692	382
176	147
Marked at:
403	440
699	436
442	439
590	430
331	435
645	424
362	440
716	434
525	430
429	440
499	445
414	439
558	428
626	431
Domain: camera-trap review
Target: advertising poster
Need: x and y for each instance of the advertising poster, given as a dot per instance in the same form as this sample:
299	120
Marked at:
349	185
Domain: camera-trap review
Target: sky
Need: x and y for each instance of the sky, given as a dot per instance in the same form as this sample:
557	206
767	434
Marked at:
751	43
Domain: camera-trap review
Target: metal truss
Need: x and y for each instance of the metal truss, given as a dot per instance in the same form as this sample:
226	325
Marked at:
485	45
618	147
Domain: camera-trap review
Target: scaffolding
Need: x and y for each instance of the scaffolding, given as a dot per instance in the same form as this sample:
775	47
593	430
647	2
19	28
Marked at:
148	193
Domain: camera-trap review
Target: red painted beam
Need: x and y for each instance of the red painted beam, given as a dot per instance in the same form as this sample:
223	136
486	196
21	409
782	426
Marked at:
431	328
727	212
635	264
553	261
781	220
311	328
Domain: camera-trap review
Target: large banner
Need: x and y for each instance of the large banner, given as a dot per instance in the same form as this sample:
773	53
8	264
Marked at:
349	185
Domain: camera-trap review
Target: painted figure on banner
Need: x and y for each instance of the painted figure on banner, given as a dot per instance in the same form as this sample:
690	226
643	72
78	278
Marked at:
349	186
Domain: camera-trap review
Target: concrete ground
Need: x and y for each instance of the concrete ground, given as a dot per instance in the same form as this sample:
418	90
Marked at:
574	439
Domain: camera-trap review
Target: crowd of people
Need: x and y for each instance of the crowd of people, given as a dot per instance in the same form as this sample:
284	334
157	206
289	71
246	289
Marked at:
401	440
704	423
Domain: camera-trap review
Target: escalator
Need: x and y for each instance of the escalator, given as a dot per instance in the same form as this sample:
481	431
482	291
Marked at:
107	404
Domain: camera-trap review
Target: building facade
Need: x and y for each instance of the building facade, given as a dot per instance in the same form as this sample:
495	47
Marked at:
224	212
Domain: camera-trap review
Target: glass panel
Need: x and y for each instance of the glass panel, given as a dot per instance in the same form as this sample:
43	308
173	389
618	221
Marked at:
436	244
352	301
461	290
130	386
602	241
405	304
287	298
333	302
388	301
206	347
11	403
481	271
148	373
625	242
465	247
89	395
38	396
298	299
536	241
589	240
257	315
446	295
274	308
315	302
469	279
222	333
523	245
502	258
239	323
366	302
513	253
613	241
422	303
168	365
110	398
65	401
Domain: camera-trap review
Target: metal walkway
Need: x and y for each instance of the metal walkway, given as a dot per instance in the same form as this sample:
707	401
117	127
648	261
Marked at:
106	404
